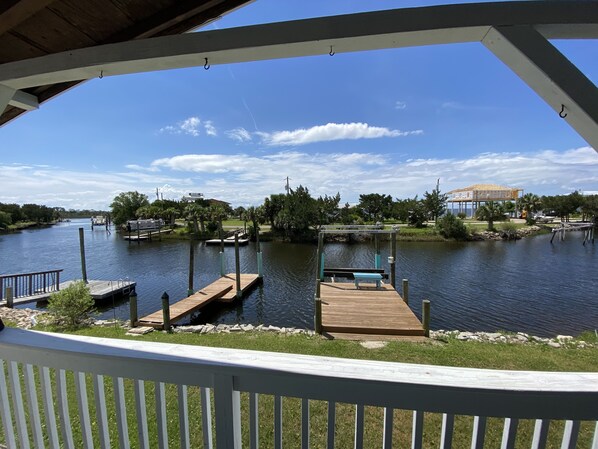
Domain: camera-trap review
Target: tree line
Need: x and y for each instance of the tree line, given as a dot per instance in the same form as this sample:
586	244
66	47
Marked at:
12	213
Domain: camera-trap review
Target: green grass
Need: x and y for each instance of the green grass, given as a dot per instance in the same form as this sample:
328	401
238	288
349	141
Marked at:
451	353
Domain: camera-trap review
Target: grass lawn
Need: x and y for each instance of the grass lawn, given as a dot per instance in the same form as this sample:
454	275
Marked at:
450	353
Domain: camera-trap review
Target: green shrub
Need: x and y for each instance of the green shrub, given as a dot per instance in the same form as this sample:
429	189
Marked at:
71	307
452	227
462	215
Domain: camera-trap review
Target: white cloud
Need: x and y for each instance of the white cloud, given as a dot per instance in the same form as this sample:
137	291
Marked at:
329	132
253	177
141	168
239	134
192	127
400	105
210	129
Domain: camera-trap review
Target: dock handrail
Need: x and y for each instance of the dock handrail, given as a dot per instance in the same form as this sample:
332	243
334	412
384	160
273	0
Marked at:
418	390
30	284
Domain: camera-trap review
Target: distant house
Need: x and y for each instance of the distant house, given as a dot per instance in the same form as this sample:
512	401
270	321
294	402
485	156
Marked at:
192	197
468	199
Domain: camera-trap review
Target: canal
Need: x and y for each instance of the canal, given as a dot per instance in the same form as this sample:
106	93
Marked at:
528	285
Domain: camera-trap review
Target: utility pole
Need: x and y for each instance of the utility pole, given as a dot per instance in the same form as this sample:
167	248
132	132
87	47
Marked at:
288	187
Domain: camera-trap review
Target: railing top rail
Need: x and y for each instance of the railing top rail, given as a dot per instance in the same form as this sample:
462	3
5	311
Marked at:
3	276
551	395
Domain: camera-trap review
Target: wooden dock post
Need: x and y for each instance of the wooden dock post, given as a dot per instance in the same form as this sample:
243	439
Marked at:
133	308
260	273
426	317
166	311
393	259
191	268
320	273
237	266
82	250
9	297
318	310
406	291
377	246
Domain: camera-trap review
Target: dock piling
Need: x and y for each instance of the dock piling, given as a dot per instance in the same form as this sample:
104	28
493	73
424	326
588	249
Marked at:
318	317
406	291
393	259
191	268
133	308
426	317
237	267
82	250
260	273
9	297
166	311
377	256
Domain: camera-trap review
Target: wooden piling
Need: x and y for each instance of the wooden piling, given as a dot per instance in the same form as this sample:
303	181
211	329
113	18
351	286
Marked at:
191	268
260	273
377	247
133	308
166	311
406	291
237	266
318	316
320	273
393	261
82	251
9	297
426	317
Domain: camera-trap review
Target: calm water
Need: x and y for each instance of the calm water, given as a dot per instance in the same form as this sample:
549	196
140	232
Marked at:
528	286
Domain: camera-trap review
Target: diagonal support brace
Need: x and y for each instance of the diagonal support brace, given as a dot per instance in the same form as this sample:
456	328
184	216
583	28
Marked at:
550	74
17	98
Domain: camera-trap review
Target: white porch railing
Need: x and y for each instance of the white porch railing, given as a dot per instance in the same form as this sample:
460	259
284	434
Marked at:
68	391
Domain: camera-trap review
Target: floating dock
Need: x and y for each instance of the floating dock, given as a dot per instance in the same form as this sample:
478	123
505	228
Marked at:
227	241
222	290
99	290
146	235
367	313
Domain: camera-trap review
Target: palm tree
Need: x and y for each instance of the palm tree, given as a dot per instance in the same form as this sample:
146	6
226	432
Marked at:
490	212
530	203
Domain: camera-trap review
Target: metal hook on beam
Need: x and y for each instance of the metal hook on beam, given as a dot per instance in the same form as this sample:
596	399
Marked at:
562	114
331	52
206	65
101	74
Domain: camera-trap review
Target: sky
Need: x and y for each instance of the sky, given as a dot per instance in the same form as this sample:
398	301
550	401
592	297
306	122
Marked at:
387	121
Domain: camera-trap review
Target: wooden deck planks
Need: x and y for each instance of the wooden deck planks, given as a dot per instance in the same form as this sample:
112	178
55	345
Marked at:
223	289
356	313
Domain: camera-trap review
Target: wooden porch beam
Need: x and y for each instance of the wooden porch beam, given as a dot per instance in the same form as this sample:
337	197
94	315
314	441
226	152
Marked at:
24	100
346	33
550	74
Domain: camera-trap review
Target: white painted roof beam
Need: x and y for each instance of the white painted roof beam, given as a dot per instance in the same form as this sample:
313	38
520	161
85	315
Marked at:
353	32
550	74
17	98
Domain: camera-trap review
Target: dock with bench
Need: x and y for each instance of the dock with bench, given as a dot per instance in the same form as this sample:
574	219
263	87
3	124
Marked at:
222	290
362	303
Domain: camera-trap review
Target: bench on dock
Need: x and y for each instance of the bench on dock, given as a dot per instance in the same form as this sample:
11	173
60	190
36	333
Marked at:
367	277
348	272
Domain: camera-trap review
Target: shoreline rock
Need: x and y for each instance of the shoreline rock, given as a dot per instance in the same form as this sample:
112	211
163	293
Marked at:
27	318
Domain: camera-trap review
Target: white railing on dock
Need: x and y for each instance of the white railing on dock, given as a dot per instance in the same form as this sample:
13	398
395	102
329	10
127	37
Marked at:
70	391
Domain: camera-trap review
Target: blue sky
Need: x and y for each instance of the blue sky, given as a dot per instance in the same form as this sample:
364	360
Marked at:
387	121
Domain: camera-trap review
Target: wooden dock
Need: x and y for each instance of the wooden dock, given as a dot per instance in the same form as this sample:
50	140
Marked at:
146	235
99	290
222	290
367	313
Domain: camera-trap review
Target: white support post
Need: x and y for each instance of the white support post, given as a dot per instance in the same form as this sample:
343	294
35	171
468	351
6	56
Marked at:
6	94
227	404
550	74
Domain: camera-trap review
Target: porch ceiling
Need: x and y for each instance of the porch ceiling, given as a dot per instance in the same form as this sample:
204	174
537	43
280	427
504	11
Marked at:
33	28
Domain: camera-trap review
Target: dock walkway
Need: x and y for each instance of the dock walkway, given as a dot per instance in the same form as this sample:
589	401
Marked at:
99	290
222	290
367	313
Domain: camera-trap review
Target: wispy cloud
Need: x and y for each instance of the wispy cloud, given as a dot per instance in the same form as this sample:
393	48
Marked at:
253	177
400	105
191	126
329	132
239	134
